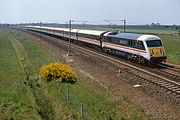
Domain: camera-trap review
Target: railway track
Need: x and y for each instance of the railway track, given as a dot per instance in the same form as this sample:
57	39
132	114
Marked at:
170	71
163	70
167	71
147	75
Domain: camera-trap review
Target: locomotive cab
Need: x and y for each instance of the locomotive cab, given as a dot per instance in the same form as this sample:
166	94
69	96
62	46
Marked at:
156	51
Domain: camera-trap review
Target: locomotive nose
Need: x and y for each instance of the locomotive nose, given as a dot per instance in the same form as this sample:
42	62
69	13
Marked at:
157	55
156	52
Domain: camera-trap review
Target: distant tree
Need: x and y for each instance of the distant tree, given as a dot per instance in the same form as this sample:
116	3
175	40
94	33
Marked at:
153	24
157	24
174	26
5	25
167	26
178	27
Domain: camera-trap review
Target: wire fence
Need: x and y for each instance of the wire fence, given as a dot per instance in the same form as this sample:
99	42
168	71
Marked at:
75	103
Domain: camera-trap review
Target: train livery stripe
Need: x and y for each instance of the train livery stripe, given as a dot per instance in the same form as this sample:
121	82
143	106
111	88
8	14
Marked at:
128	48
89	40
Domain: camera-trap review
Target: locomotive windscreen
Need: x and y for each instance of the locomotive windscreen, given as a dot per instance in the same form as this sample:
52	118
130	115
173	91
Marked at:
154	43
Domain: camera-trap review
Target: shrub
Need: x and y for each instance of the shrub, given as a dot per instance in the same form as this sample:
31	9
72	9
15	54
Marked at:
58	72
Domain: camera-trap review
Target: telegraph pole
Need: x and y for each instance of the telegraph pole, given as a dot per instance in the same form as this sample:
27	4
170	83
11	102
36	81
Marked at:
40	24
69	49
40	29
124	22
70	28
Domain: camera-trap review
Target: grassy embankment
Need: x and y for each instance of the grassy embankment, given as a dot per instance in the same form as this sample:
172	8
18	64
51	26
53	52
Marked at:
16	99
22	97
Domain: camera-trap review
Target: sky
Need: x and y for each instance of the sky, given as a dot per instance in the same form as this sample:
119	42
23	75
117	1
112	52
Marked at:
93	11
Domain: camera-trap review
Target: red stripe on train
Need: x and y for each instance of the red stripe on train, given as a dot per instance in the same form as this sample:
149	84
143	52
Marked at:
119	46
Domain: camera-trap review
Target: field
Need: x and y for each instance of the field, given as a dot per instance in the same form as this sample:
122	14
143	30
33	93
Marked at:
172	47
16	99
23	95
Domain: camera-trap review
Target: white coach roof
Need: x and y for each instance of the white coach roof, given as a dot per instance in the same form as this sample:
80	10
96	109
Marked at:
89	32
148	37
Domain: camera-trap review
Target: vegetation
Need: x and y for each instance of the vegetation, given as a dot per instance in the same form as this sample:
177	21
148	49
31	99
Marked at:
16	99
58	72
172	47
21	95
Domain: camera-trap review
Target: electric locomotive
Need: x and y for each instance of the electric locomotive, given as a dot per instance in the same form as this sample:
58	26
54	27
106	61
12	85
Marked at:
140	47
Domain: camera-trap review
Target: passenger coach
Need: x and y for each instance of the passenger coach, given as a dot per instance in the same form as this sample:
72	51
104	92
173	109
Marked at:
139	47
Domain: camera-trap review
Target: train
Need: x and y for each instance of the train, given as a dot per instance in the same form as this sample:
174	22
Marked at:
142	48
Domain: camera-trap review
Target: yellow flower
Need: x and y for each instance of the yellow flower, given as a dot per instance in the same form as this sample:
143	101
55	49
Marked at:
58	72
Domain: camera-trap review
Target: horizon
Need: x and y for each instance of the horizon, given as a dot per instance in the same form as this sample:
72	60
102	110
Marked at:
38	24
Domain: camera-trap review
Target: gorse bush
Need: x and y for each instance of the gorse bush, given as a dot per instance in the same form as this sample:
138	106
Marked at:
58	72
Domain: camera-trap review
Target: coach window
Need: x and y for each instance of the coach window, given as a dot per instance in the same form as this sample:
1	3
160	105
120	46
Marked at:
105	39
91	37
88	36
95	38
84	35
123	42
140	45
130	43
81	35
133	43
109	39
114	40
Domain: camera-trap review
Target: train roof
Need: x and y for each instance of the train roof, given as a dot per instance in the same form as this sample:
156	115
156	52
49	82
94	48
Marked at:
82	31
134	36
91	32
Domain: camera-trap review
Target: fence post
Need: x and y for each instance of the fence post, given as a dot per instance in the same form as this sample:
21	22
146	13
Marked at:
81	110
67	94
59	54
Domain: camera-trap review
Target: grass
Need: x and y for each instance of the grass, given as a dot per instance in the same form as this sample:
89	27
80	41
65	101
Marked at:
172	47
16	99
36	56
49	100
99	100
